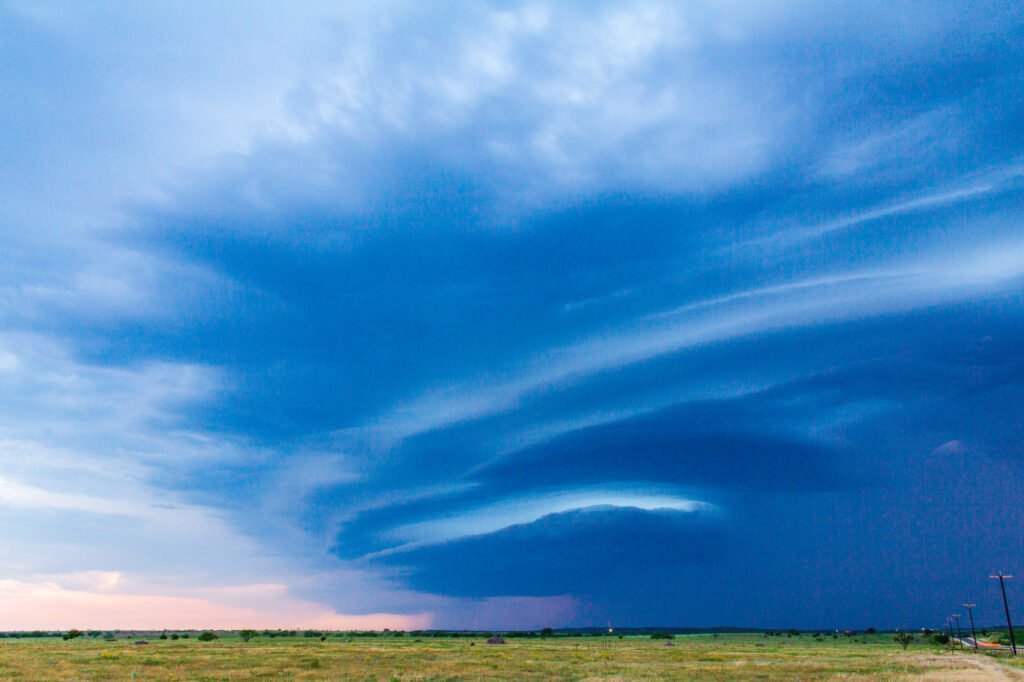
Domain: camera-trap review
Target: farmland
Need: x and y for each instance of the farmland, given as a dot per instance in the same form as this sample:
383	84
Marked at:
410	657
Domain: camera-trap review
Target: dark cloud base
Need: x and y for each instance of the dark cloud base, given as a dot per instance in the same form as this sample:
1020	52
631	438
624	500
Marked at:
587	551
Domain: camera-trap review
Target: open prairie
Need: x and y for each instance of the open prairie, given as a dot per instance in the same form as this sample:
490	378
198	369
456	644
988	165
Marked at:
698	657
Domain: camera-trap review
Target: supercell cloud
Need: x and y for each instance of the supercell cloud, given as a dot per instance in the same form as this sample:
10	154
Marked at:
397	315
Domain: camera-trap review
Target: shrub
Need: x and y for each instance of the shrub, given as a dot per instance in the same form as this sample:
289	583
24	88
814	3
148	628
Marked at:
662	635
206	636
246	635
174	636
72	634
903	639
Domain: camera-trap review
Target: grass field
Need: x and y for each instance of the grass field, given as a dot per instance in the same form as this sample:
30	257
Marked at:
697	657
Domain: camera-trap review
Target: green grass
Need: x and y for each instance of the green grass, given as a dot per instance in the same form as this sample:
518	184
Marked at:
697	657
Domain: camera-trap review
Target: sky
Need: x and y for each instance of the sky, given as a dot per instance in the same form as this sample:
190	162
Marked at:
510	315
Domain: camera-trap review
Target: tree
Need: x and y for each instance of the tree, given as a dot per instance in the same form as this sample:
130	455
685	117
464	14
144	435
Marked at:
246	635
547	632
207	636
903	639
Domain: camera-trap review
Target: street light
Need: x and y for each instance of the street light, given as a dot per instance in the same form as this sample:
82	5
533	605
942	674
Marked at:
970	613
1002	586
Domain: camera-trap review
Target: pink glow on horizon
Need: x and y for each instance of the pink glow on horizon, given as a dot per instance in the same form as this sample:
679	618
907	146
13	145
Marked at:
49	606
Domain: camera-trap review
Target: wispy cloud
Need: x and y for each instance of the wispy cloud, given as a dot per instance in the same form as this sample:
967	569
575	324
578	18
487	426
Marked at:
1005	179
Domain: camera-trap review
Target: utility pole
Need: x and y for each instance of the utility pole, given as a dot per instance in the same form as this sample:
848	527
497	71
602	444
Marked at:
959	636
1002	586
970	614
949	629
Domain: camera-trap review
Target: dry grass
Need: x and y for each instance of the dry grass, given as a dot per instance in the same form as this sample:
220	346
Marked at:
700	657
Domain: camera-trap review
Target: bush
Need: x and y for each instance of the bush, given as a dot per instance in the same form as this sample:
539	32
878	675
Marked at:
174	636
206	636
246	635
662	635
72	634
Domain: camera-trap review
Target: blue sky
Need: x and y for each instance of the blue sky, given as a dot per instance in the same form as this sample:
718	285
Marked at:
509	314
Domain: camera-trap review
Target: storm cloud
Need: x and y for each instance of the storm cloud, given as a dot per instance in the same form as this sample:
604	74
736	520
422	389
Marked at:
705	314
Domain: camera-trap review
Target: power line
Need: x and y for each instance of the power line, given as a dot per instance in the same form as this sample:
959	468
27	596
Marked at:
1002	586
970	614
